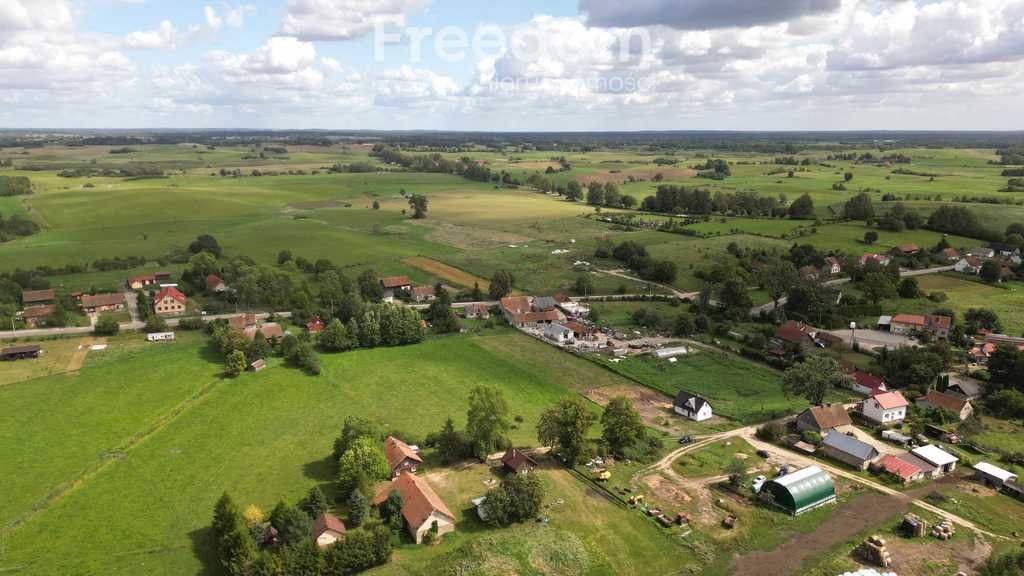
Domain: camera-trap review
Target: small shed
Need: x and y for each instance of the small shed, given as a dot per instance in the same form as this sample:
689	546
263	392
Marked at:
258	365
944	462
21	352
993	475
802	490
517	461
481	510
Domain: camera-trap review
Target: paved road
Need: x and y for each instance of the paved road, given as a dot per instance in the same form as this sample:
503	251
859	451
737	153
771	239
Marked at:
125	326
457	305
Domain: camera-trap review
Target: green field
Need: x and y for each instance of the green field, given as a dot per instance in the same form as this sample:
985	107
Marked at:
739	389
712	460
158	436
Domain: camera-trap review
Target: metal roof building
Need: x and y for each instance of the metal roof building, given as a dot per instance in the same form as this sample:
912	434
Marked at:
802	490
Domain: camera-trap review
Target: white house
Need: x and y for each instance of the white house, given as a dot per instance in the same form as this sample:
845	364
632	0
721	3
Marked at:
885	408
327	529
558	333
969	265
692	406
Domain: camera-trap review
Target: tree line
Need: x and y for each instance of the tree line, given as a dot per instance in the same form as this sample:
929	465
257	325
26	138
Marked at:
15	185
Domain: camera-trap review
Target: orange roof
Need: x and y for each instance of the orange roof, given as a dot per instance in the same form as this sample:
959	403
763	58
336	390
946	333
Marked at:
172	292
270	331
516	304
427	291
397	451
944	322
515	459
893	465
793	331
869	381
419	500
912	319
242	321
32	296
39	311
947	401
547	316
213	281
395	282
890	400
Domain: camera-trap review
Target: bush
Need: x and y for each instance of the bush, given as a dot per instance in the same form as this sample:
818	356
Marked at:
107	325
771	432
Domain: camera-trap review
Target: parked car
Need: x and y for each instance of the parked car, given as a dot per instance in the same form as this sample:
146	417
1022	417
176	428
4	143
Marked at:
783	471
686	440
757	484
762	453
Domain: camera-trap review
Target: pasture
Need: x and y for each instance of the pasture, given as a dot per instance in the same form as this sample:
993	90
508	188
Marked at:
738	389
57	358
158	435
963	293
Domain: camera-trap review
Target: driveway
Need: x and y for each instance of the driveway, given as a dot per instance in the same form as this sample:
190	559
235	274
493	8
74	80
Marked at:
872	339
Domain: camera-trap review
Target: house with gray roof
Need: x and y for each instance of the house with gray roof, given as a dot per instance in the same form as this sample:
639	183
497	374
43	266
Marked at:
848	450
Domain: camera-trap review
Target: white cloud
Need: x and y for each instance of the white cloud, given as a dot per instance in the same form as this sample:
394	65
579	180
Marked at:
163	37
233	16
343	19
35	15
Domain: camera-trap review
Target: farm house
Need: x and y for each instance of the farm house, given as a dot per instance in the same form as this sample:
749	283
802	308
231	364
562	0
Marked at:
802	490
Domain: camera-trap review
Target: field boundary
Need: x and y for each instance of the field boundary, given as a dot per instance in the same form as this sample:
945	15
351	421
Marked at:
447	272
107	457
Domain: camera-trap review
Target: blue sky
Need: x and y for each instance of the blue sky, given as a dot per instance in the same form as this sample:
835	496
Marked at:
562	65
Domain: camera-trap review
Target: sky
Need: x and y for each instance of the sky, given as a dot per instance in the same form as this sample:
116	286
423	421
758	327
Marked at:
528	65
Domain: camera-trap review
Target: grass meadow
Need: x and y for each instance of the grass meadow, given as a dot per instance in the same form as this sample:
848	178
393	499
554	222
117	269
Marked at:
157	436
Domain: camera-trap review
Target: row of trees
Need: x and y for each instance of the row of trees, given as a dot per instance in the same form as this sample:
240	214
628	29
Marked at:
15	185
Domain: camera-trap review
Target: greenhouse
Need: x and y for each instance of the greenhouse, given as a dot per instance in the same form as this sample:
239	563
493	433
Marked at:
802	490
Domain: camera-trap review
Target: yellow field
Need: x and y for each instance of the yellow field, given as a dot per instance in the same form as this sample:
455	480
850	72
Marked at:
447	273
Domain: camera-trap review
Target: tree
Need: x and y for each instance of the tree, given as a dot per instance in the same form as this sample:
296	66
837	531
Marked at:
418	205
205	243
573	191
518	498
684	325
982	318
235	364
802	208
440	314
107	325
870	237
595	194
292	524
909	288
621	426
501	285
258	349
155	324
335	337
859	207
991	272
878	286
369	286
814	378
735	298
390	510
302	559
848	176
777	278
283	257
235	545
363	461
450	445
486	420
358	508
315	503
353	429
1006	365
564	428
736	469
584	285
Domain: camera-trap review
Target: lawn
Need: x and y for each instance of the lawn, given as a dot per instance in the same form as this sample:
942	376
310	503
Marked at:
150	454
713	459
739	389
619	315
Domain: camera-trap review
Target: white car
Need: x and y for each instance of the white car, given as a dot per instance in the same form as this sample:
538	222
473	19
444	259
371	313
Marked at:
757	484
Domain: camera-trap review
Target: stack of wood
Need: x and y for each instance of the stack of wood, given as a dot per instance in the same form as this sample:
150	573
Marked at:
914	526
944	530
875	551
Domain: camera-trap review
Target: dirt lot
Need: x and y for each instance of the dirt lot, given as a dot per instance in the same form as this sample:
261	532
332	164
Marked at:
925	555
655	408
867	510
